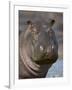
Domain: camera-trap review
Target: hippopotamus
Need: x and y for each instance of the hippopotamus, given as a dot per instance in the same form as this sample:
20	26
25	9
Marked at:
38	50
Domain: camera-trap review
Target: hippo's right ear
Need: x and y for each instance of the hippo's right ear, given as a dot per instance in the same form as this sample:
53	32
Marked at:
29	22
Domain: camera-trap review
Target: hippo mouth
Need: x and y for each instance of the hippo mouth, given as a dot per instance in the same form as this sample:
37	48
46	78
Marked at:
47	59
43	55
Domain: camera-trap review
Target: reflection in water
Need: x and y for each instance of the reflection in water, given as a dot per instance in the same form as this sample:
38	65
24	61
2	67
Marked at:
56	70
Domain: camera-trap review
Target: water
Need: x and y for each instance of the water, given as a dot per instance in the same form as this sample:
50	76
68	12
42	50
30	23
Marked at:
56	70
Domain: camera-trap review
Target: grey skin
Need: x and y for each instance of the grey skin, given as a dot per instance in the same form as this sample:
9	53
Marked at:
38	50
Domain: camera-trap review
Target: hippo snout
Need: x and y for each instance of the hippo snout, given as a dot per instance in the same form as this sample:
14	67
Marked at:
45	49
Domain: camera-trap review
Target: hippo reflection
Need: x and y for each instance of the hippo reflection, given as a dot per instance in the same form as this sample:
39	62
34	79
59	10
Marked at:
38	50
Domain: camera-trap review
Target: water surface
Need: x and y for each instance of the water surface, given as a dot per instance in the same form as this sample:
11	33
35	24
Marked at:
56	69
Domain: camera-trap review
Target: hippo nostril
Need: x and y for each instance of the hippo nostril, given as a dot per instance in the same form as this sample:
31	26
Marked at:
41	48
52	47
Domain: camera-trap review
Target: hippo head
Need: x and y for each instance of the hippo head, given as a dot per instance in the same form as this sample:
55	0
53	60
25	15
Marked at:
43	44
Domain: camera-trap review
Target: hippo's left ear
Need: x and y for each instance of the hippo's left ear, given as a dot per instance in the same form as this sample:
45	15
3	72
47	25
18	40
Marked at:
29	22
52	22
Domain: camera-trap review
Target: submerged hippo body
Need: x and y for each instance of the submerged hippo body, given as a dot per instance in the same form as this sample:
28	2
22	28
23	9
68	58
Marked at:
38	50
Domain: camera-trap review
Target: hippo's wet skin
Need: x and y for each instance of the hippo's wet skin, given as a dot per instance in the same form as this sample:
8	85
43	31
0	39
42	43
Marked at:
38	50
